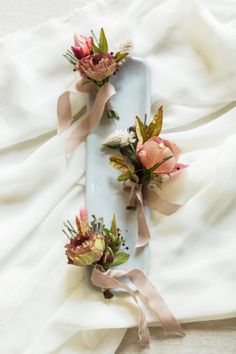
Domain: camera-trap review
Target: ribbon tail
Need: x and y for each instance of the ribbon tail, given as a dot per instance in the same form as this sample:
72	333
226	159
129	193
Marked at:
106	280
160	204
144	235
148	290
88	124
64	112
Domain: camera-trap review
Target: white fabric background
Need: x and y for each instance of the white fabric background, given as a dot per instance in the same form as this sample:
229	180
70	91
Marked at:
47	307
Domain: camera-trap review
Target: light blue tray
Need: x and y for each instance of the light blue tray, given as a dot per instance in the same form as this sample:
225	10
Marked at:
104	194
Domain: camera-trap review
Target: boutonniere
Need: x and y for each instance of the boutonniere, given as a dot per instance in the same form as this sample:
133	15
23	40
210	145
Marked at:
145	161
96	64
93	245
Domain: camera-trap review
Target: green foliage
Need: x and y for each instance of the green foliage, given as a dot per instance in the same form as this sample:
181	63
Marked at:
119	56
120	258
147	175
155	126
124	177
113	244
103	45
113	225
140	130
119	163
95	49
145	132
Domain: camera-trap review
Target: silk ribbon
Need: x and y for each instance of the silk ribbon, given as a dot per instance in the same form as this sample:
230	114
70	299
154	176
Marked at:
85	125
140	195
108	280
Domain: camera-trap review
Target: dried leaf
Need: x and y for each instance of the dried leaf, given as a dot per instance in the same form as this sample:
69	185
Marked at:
103	41
155	126
120	56
140	130
119	163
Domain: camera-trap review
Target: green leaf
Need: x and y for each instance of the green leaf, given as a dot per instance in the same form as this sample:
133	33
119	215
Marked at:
117	244
119	163
103	41
155	126
95	49
106	230
124	177
140	130
119	258
120	56
110	250
111	146
111	236
154	167
113	224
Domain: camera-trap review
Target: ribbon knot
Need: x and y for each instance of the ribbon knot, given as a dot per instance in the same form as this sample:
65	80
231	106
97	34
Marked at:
148	195
136	200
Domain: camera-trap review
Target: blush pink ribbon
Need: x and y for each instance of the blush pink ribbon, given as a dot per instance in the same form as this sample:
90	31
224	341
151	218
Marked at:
88	124
144	195
108	280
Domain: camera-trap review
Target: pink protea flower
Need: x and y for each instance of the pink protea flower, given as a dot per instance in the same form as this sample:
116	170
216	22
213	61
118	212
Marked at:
155	150
86	246
98	66
82	46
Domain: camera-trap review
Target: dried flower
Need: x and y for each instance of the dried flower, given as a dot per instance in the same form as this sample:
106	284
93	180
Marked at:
92	242
82	46
97	67
86	246
120	138
126	47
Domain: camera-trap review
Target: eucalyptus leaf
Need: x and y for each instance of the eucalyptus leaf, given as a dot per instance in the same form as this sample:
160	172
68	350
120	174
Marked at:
103	41
155	126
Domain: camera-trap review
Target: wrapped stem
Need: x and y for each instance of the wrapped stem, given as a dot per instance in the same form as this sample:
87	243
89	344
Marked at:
111	113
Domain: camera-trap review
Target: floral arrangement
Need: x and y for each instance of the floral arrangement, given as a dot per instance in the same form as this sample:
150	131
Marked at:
92	58
145	158
91	243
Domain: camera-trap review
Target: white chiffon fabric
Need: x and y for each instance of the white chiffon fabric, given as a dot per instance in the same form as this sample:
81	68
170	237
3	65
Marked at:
49	307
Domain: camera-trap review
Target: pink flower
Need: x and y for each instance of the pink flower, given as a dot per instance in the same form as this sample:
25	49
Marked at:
155	150
82	46
98	66
86	246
